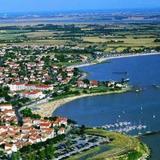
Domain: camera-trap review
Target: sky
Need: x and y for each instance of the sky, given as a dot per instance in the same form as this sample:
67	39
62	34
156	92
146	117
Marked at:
67	5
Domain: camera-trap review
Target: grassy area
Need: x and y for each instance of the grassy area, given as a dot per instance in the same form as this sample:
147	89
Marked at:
93	91
120	44
122	147
45	42
105	38
39	34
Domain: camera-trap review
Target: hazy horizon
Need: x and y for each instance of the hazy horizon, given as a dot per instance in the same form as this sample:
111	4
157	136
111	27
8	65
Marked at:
110	11
76	5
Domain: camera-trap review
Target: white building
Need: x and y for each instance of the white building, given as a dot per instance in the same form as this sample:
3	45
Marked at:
17	86
32	94
4	107
28	87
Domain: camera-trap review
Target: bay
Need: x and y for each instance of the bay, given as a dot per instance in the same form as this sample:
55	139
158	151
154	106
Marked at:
142	108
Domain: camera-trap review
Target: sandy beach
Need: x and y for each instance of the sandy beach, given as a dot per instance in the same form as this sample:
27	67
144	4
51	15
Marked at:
47	109
114	57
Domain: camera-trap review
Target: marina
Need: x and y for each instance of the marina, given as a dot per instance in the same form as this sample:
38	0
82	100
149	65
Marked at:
125	127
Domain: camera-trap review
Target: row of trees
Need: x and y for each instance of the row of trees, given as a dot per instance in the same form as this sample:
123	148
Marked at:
27	112
46	153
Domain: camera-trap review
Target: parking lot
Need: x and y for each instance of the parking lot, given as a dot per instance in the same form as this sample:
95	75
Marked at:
74	144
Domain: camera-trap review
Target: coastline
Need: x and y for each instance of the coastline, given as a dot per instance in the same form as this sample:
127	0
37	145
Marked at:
47	109
117	56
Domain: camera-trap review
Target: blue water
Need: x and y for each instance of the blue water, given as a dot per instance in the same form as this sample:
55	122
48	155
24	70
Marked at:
143	72
153	141
101	110
137	108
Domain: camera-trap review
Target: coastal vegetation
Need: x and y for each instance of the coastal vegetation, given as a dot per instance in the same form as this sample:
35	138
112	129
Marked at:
46	109
119	147
122	147
38	151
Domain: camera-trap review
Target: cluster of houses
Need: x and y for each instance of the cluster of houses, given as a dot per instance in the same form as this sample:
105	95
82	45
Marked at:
69	73
30	91
25	64
13	137
35	91
7	114
21	69
95	83
24	70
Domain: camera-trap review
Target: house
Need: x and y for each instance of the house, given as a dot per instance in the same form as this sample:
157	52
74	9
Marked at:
81	84
44	87
32	94
25	129
3	129
9	148
27	122
4	107
118	85
34	138
93	83
36	122
28	87
10	113
2	100
17	86
63	121
45	124
70	74
55	69
59	121
48	132
61	131
110	84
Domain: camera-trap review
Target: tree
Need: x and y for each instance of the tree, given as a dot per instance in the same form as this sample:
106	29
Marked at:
49	151
4	92
76	71
64	75
82	128
15	156
27	112
31	156
86	81
41	155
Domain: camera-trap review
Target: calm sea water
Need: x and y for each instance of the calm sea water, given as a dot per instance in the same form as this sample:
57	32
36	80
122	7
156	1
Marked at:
137	108
153	142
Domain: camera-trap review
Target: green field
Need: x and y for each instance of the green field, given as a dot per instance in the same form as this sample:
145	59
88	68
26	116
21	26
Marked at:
107	38
122	147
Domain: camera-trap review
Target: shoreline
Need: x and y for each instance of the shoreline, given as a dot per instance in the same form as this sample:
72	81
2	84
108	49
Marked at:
47	109
114	57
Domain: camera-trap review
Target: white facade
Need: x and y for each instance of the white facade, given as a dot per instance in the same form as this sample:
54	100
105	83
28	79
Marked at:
20	87
4	107
33	94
